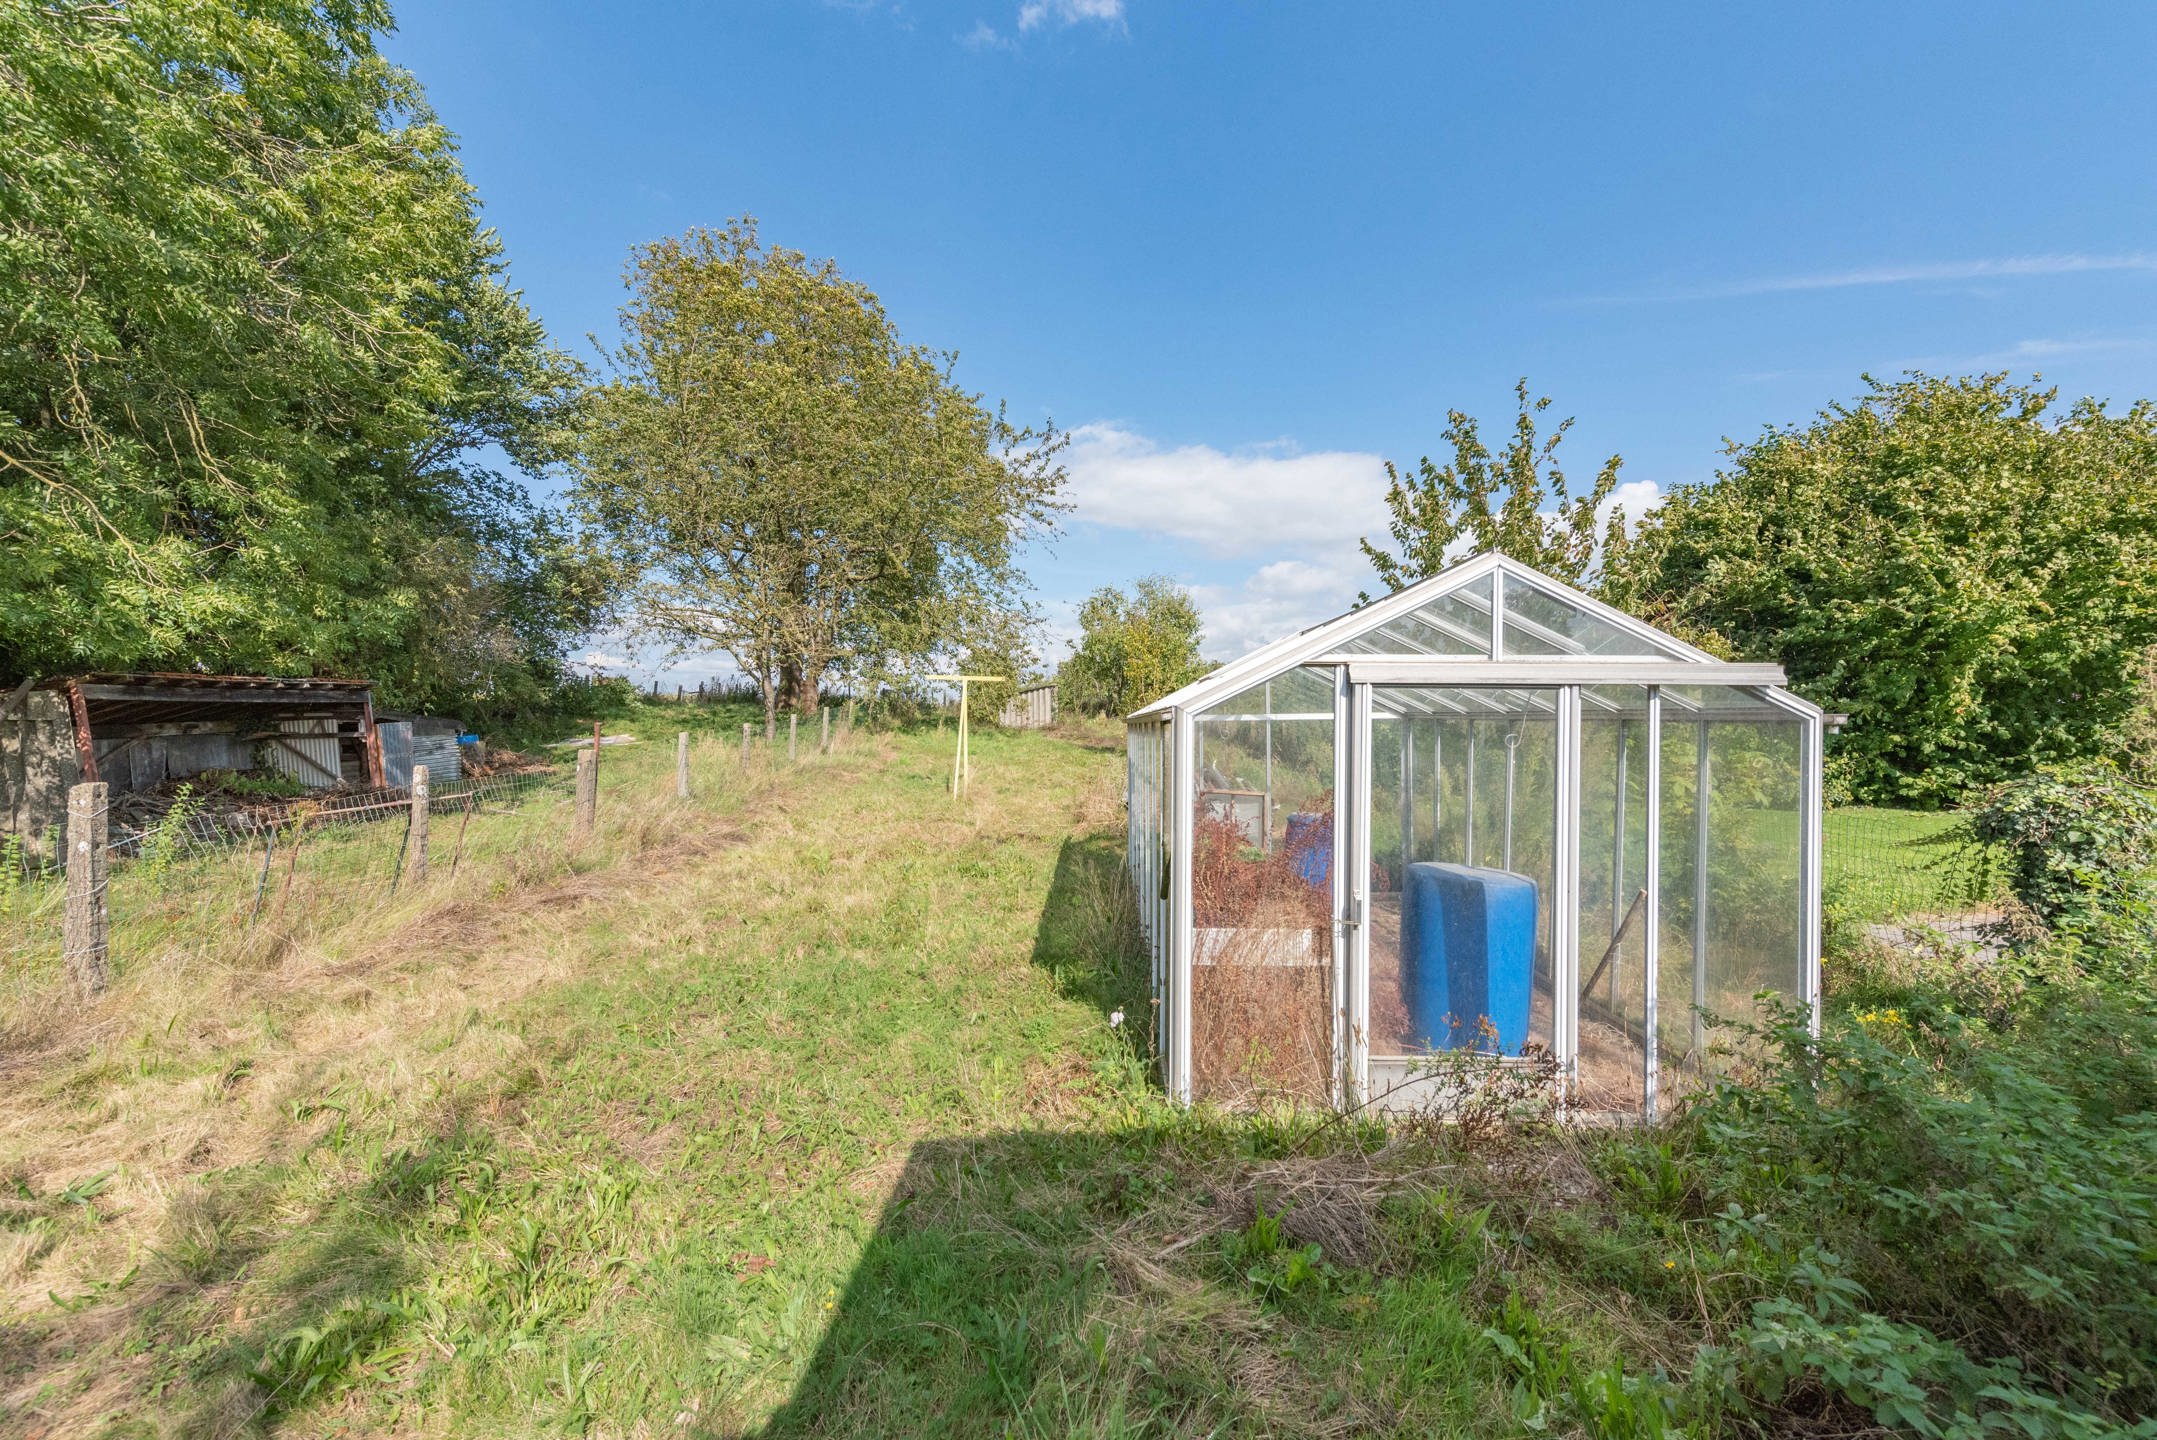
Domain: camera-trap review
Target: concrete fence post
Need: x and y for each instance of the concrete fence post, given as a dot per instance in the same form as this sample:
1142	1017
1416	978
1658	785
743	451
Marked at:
84	929
587	794
746	730
824	745
418	841
681	765
793	725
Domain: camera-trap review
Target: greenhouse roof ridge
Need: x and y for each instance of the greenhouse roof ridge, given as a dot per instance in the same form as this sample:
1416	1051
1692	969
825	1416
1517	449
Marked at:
1324	640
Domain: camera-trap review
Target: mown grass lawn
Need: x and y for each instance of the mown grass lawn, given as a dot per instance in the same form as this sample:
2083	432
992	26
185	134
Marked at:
1881	864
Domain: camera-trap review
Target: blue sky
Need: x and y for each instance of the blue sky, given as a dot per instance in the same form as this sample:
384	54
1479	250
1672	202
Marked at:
1247	250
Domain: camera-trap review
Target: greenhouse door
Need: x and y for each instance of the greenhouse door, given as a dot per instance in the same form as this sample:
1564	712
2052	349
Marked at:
1463	912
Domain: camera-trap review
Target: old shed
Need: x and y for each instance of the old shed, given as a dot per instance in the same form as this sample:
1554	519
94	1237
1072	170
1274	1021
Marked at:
136	732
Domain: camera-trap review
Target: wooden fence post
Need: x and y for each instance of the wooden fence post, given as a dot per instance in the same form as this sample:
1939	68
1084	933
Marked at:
824	745
418	862
746	728
681	765
84	931
793	724
587	794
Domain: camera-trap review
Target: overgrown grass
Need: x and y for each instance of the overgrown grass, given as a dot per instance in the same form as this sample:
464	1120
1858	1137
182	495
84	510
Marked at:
799	1111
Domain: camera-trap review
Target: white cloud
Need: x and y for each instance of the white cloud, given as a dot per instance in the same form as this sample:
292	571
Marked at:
2023	354
985	36
1036	13
1635	497
1275	600
2008	267
1297	516
1236	502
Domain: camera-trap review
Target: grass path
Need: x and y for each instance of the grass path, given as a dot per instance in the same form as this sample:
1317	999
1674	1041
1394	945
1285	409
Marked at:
601	1158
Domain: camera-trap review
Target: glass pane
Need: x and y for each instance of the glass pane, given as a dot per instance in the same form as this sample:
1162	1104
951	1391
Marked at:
1538	622
1463	797
1302	691
1734	896
1262	908
1457	623
1613	864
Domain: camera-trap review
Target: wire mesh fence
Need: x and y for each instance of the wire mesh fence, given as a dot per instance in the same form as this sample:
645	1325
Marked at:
1890	865
238	873
198	873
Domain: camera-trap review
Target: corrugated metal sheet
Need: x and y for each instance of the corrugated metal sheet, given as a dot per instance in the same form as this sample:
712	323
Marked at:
441	754
1033	708
396	736
309	755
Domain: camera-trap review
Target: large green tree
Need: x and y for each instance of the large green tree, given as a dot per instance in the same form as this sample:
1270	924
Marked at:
1515	501
1133	648
803	489
1967	571
252	337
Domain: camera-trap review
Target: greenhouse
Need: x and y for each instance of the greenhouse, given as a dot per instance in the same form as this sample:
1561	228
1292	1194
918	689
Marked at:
1485	818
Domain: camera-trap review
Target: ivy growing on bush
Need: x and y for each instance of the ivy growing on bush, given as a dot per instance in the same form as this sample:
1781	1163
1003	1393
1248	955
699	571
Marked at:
2077	846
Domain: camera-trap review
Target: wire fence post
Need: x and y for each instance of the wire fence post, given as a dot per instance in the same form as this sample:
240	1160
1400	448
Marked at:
823	746
419	824
587	793
292	862
84	927
262	881
458	853
746	729
681	765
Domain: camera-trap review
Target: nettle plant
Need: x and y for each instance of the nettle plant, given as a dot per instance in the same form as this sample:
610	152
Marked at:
2077	846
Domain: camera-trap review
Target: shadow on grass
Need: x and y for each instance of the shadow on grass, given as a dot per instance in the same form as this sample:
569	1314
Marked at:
1088	939
341	1291
1034	1284
1007	1291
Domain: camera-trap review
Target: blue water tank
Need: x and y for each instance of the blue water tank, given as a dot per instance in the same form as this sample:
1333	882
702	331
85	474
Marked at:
1467	954
1310	847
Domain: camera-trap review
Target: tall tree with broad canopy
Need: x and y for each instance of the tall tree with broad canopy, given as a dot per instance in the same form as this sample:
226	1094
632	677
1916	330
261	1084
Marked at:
1133	648
803	490
1484	501
252	336
1968	572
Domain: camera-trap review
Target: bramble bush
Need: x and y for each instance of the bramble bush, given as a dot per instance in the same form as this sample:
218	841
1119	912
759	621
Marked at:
2077	847
1940	1223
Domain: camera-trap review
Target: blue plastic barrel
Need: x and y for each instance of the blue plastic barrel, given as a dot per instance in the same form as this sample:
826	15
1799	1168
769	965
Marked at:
1467	955
1310	848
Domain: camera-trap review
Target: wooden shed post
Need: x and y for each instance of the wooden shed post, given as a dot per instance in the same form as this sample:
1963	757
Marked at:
418	843
681	765
587	794
84	926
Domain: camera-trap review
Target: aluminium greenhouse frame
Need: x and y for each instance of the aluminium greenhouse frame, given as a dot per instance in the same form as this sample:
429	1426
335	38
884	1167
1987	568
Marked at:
1494	641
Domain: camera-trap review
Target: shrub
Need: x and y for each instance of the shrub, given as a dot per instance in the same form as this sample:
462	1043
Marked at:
2075	846
1943	1226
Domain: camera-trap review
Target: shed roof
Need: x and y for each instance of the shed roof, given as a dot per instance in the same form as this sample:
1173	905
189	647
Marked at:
1490	620
129	699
